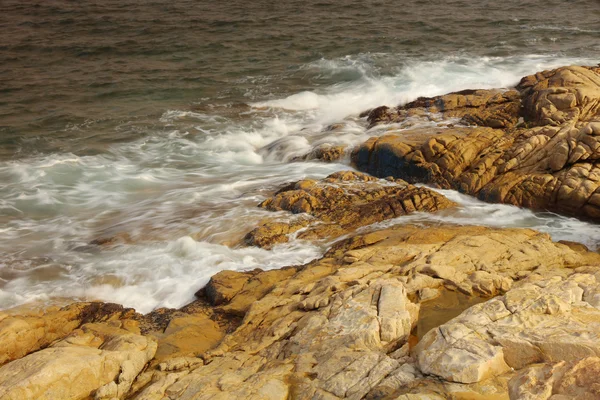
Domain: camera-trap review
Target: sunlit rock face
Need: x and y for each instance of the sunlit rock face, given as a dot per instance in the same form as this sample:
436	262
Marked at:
536	146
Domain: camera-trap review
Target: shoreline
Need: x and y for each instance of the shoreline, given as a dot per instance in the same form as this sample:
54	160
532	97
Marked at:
342	325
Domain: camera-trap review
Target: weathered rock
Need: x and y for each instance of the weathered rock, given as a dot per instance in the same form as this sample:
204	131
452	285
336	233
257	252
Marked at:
237	293
540	320
326	153
99	360
341	203
552	165
339	327
25	333
577	380
562	95
492	108
188	335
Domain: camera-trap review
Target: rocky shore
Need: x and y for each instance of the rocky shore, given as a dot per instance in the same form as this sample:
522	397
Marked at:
404	312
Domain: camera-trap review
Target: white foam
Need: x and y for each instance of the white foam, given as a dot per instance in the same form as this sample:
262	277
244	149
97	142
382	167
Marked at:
475	212
189	190
167	275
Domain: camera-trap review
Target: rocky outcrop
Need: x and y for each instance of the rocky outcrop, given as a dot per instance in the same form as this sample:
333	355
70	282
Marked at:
21	334
548	162
364	321
561	380
341	203
340	327
540	320
492	108
99	360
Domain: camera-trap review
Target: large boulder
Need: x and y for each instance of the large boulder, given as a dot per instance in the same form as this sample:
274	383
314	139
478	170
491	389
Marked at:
548	162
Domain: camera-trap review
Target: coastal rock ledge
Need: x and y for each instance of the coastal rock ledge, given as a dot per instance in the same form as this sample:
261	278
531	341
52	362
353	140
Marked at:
535	146
362	322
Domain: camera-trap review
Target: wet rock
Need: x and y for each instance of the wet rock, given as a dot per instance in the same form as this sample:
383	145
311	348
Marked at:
341	203
492	108
272	233
325	153
548	164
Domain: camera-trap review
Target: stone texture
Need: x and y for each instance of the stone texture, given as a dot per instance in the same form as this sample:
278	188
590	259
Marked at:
492	108
547	319
341	203
575	380
340	327
99	360
24	333
326	153
548	162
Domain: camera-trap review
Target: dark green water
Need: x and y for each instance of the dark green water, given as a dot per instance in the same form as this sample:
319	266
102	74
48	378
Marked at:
166	122
77	75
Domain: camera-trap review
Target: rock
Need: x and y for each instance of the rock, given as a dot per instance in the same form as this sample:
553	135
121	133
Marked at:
562	380
225	284
98	360
549	164
341	203
25	333
342	327
339	327
326	153
561	95
492	108
188	335
538	320
272	233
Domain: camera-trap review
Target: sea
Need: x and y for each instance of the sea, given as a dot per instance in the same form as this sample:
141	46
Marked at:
161	124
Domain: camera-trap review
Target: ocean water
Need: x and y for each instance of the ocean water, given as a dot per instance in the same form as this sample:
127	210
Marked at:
166	122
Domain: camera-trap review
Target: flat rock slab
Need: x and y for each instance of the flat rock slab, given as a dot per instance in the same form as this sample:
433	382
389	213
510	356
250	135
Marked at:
98	360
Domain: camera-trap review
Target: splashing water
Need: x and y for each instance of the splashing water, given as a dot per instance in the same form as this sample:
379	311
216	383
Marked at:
181	197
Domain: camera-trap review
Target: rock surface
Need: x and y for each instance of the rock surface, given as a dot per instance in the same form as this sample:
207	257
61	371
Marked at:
326	153
560	381
340	327
548	162
24	333
540	320
99	360
341	203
